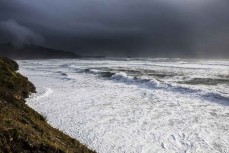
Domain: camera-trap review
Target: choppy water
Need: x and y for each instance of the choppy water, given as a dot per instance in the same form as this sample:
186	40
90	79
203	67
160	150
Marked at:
135	105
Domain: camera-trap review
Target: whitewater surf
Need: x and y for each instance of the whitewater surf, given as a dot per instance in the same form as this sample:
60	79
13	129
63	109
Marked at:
135	105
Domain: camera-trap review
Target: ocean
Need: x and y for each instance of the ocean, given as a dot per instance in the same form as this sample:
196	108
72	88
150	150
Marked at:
137	105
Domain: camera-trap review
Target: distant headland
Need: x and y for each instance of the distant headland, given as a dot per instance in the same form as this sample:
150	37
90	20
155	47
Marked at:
31	51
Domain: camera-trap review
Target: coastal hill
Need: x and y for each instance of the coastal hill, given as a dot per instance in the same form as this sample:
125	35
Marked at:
31	51
21	128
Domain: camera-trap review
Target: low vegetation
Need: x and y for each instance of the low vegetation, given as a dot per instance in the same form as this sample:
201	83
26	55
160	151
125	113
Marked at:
22	130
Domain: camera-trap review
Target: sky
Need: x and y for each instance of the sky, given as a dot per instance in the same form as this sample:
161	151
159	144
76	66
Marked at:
141	28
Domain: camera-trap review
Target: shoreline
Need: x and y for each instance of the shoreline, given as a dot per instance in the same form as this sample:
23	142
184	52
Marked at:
22	129
114	113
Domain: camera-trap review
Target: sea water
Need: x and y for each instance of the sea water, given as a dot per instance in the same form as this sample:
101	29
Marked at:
135	105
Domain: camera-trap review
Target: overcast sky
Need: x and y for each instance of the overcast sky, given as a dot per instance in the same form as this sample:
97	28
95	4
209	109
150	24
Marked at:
120	27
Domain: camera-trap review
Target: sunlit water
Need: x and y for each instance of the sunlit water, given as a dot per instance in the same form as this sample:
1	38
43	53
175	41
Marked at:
135	105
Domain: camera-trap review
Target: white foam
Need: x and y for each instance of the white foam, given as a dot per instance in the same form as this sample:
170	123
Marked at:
122	76
95	71
41	93
74	67
127	114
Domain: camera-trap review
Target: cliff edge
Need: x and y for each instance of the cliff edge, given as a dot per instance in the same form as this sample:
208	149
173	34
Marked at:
22	130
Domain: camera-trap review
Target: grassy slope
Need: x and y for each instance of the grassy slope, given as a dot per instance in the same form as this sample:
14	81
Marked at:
21	128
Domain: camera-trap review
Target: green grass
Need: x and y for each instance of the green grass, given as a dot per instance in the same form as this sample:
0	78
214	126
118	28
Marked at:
22	130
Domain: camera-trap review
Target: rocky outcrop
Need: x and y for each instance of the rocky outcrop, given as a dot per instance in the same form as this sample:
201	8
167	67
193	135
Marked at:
22	130
13	84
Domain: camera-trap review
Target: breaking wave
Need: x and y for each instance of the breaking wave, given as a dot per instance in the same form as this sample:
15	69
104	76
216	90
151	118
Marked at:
153	83
41	93
170	109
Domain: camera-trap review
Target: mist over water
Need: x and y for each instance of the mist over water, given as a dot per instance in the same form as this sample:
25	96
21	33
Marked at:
18	34
162	86
117	28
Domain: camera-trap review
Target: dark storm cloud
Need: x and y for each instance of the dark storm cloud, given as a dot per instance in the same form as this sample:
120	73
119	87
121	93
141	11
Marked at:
19	34
125	28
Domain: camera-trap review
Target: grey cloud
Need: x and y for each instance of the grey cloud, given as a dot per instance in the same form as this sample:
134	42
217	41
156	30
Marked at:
126	28
19	34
